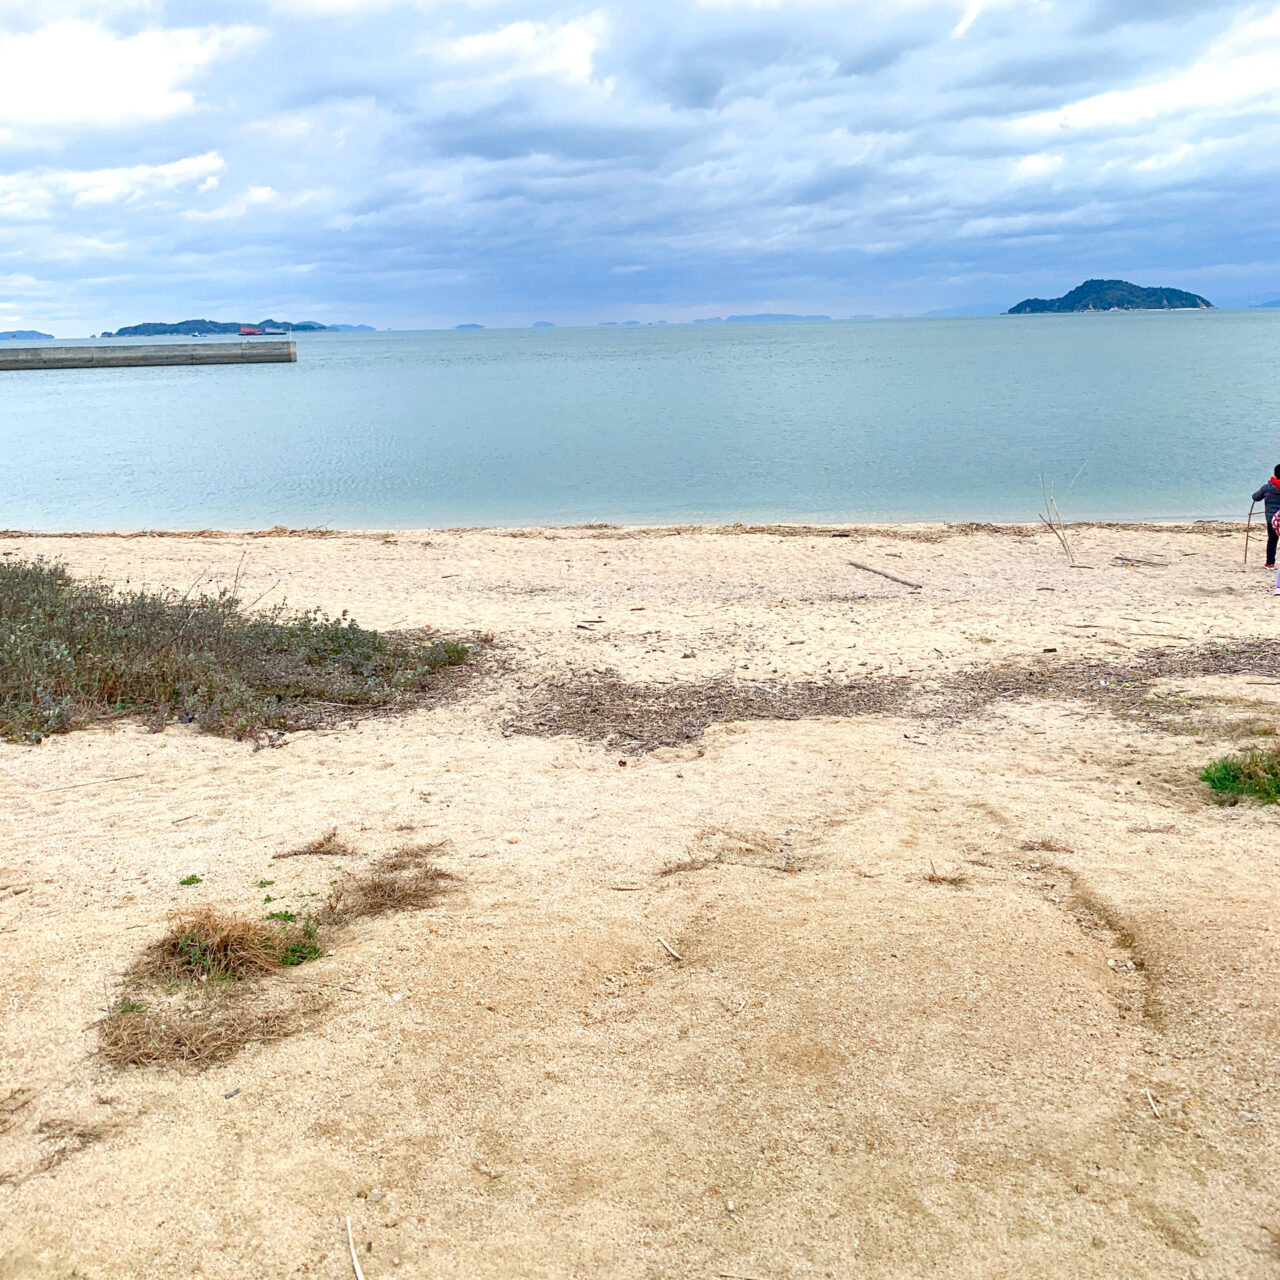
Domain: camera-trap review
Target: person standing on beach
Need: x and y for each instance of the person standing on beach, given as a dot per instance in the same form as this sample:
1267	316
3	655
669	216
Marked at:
1269	496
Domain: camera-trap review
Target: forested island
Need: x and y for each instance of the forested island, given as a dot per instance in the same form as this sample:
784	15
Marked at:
1114	295
24	334
203	328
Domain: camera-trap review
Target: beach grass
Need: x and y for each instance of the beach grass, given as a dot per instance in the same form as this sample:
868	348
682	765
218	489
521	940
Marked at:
72	652
1251	773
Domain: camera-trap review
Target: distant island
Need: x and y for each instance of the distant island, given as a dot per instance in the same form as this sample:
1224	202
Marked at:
24	333
1257	306
764	317
1114	295
202	328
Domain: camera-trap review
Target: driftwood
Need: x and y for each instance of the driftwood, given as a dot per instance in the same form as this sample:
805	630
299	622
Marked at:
893	577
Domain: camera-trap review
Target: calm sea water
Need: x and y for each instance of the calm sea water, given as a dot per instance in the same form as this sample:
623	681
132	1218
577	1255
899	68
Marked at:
1171	416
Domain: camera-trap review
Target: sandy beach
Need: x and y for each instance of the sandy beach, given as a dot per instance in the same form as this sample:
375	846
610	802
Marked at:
807	921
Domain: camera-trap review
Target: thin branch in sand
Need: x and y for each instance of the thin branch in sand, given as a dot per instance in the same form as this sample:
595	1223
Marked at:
1052	519
355	1262
893	577
1130	560
669	947
1152	1101
97	782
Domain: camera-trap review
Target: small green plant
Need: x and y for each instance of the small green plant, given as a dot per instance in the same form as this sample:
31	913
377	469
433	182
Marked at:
265	884
130	1006
1252	773
286	917
191	879
303	946
268	898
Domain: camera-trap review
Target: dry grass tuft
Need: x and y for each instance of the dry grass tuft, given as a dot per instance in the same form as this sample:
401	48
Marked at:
196	1030
1045	844
957	881
404	880
61	1140
11	1104
688	864
411	856
325	846
196	996
786	864
209	943
1252	727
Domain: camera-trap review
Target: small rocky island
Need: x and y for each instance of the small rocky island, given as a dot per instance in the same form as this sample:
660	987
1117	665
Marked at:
206	328
1114	295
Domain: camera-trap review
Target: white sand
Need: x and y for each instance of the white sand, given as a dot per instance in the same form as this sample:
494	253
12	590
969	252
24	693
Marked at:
853	1071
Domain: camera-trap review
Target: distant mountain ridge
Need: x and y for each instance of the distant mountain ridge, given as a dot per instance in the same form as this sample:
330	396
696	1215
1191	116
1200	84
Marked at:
201	328
24	333
1114	295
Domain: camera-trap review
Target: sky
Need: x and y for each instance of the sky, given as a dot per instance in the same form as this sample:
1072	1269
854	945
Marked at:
423	163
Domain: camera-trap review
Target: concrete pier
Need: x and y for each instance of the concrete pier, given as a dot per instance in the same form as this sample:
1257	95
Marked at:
126	355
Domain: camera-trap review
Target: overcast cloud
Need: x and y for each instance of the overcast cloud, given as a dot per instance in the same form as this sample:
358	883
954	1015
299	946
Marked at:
413	163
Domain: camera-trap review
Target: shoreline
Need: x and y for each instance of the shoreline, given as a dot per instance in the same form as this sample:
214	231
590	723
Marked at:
944	528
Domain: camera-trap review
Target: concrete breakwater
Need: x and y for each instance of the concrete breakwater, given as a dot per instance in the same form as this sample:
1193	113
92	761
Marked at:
132	354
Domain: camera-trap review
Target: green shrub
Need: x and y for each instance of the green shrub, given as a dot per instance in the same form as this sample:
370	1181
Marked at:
1253	773
72	651
298	948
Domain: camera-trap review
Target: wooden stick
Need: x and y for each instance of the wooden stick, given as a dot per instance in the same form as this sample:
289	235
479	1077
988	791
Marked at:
1152	1101
669	947
1247	527
893	577
355	1262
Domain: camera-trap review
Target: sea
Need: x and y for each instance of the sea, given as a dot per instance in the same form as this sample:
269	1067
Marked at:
1123	416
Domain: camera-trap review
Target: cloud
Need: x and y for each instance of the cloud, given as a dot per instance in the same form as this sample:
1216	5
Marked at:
414	161
523	49
34	194
1239	71
250	200
76	72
